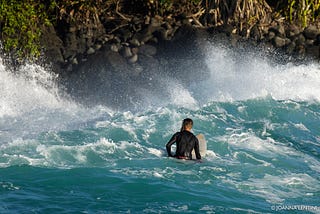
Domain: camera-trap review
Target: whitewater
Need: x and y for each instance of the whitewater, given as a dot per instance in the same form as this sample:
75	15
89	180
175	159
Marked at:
260	119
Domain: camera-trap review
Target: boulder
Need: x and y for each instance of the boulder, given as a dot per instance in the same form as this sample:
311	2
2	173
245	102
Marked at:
133	59
292	31
311	32
300	40
313	51
126	52
279	30
90	51
279	42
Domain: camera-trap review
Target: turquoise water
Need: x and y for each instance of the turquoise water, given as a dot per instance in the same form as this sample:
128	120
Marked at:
261	121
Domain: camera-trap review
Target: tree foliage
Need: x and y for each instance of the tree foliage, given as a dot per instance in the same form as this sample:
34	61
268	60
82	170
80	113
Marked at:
21	21
302	11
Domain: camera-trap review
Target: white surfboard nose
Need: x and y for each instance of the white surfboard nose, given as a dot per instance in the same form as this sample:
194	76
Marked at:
202	146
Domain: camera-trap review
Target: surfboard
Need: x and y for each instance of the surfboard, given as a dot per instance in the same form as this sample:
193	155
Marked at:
202	146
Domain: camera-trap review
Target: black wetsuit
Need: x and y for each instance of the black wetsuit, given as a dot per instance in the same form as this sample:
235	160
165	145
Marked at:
186	142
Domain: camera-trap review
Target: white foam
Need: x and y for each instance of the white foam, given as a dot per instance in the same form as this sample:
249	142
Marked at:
249	76
32	88
277	188
156	152
301	127
180	96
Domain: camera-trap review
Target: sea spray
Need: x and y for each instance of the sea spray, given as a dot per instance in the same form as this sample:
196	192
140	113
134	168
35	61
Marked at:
246	76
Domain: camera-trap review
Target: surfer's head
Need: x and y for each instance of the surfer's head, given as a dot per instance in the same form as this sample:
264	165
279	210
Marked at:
186	124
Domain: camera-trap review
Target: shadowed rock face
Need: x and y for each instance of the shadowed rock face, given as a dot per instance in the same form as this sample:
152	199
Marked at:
112	61
110	77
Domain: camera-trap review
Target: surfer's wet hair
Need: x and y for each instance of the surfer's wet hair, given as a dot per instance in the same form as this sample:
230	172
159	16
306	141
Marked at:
186	122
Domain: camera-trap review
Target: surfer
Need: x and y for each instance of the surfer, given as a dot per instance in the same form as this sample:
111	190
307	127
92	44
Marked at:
186	142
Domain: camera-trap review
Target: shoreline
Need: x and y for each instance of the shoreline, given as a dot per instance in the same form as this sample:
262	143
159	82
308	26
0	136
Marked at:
149	37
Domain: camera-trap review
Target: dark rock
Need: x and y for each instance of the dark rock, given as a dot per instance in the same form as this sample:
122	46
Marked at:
292	31
146	38
97	46
226	29
144	35
291	47
108	37
234	40
70	45
156	22
287	41
52	44
300	40
161	34
301	50
125	34
317	41
134	42
271	35
279	30
135	50
133	59
167	25
313	51
75	61
90	51
147	20
279	42
126	52
114	47
255	33
311	32
309	42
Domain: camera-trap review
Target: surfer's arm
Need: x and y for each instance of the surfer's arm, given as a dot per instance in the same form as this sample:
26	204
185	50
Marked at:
196	149
169	144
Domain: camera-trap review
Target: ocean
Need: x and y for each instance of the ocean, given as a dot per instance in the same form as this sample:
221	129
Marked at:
261	120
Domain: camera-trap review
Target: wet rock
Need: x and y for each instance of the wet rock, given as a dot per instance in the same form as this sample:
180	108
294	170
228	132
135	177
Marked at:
156	21
133	59
97	46
279	30
75	61
279	42
311	32
126	52
135	50
90	51
255	33
309	42
114	47
291	47
271	35
300	40
317	41
147	20
313	51
292	31
134	42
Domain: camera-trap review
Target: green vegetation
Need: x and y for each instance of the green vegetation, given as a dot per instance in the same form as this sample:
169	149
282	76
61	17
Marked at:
21	21
303	11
